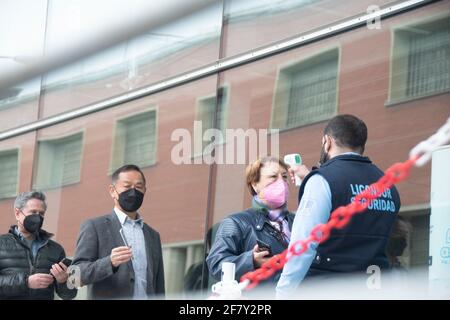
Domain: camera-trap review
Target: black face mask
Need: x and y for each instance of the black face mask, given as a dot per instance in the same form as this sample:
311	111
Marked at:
324	156
131	200
33	223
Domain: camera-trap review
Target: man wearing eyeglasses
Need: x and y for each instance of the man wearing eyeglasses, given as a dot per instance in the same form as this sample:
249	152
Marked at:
31	264
120	256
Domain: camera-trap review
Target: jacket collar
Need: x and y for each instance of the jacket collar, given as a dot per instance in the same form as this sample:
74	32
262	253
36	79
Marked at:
261	217
113	227
122	216
43	235
347	157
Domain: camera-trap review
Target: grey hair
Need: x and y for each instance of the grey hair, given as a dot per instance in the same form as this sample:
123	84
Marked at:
24	197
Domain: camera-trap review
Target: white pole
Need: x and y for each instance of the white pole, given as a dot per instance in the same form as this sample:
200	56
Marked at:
439	269
228	271
228	288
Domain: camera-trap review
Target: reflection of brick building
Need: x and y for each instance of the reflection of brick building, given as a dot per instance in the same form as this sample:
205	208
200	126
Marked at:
371	83
374	74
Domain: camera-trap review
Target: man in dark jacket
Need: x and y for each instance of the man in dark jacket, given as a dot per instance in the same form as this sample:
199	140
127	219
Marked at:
120	256
30	263
343	173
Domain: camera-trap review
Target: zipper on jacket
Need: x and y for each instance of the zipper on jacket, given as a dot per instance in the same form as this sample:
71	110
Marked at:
37	252
29	255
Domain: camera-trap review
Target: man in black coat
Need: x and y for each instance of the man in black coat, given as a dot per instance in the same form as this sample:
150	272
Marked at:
30	263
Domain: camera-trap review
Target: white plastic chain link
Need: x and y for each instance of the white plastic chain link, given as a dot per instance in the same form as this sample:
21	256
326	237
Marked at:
425	148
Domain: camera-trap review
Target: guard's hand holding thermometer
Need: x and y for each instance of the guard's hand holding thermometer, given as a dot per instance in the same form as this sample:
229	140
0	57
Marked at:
294	159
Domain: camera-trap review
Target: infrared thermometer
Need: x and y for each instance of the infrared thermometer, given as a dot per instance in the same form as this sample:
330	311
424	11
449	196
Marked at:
294	159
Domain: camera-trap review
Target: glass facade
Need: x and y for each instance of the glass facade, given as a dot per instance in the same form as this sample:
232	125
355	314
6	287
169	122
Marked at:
395	78
19	48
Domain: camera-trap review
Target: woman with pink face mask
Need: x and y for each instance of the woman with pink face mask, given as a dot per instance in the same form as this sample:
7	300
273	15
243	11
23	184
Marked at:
267	221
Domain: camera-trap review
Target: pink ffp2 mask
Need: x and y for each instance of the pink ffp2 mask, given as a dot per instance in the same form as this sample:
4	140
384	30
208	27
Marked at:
275	194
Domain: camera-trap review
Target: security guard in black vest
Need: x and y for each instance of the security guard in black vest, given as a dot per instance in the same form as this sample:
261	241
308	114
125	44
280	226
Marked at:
343	173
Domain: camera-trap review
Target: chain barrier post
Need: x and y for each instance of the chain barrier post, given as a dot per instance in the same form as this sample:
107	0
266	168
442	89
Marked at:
228	288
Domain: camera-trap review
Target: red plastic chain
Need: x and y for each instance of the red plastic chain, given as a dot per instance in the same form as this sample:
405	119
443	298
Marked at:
339	218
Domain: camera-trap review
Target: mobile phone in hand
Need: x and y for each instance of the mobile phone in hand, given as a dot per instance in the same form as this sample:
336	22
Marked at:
264	247
122	234
124	239
67	262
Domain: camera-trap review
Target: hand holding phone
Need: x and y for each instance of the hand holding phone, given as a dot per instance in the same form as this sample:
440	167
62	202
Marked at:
124	239
66	261
122	234
262	246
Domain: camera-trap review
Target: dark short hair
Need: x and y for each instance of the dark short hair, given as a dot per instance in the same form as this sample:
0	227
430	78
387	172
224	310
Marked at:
126	168
253	171
348	131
